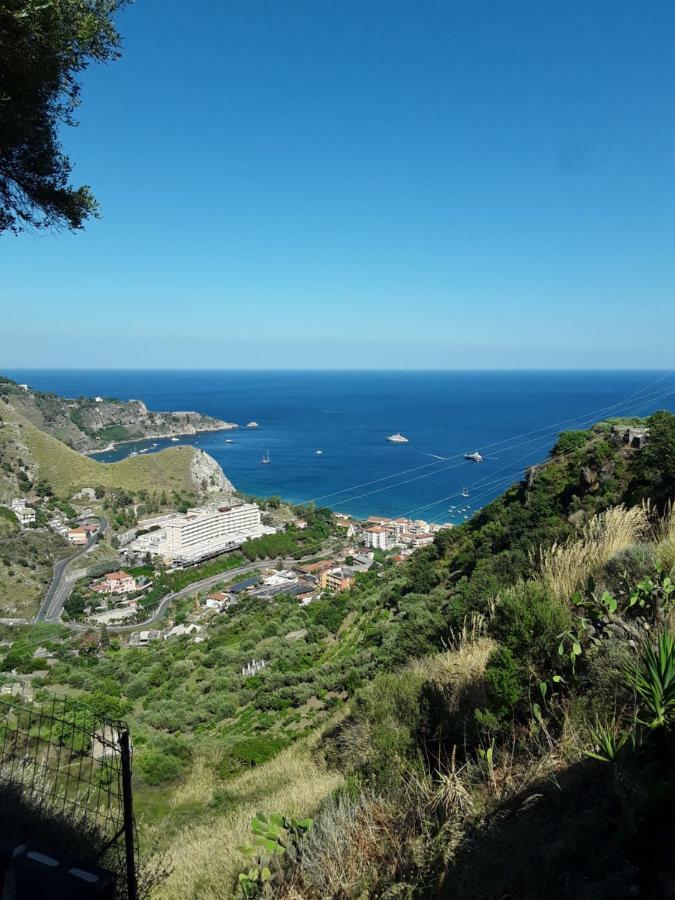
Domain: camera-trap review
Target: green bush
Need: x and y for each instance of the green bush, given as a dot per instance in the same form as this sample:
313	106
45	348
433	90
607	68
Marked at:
505	690
528	621
156	767
570	441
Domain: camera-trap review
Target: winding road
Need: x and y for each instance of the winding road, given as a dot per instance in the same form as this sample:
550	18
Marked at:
60	588
193	588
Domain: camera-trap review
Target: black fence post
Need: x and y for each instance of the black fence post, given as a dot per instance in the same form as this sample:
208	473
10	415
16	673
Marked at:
127	799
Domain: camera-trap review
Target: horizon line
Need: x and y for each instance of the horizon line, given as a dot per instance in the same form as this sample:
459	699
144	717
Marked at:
524	369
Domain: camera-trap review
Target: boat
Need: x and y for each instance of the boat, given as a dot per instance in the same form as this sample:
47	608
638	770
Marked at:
474	457
134	453
397	438
465	492
252	425
229	441
175	439
319	452
266	458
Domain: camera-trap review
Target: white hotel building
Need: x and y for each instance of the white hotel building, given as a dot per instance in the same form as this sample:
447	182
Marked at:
203	532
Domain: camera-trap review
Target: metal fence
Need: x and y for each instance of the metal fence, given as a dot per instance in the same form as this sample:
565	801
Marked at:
65	781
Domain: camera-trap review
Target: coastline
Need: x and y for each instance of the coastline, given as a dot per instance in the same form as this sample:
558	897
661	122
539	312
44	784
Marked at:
226	426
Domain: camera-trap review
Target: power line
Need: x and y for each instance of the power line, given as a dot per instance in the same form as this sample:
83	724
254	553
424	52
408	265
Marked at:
494	444
440	469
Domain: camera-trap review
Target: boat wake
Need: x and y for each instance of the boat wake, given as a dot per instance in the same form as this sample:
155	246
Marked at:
435	456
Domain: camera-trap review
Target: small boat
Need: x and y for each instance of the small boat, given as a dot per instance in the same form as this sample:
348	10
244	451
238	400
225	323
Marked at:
175	439
134	453
319	452
474	457
266	458
465	492
144	450
229	441
397	438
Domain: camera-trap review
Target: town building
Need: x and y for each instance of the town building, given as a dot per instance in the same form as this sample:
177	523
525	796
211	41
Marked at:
339	579
77	536
217	601
116	583
203	532
422	540
317	568
182	630
346	527
377	537
24	514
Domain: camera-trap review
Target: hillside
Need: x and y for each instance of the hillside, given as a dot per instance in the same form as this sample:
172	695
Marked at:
437	692
29	455
88	423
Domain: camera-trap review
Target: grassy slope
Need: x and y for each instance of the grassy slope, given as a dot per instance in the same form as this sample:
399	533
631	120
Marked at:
26	560
205	857
66	470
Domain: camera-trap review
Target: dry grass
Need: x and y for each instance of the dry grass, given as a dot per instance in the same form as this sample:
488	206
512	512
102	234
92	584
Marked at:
565	567
458	667
358	841
200	785
205	859
665	548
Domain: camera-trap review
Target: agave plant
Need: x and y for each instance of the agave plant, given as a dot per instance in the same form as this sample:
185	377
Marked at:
608	742
653	680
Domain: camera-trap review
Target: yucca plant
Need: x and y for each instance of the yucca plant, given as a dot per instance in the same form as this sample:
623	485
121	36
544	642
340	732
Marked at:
653	680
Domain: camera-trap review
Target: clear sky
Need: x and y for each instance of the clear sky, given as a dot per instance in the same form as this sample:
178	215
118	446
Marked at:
354	183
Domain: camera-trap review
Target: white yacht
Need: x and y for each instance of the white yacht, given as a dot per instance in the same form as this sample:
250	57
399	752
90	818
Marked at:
397	438
474	457
266	458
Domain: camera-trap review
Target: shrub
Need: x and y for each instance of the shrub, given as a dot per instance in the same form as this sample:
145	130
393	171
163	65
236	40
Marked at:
527	620
505	689
157	767
570	441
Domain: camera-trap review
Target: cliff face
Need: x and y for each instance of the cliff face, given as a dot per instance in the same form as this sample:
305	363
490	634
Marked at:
87	424
208	476
29	455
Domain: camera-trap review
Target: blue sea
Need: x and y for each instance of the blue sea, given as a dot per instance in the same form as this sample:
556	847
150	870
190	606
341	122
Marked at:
512	418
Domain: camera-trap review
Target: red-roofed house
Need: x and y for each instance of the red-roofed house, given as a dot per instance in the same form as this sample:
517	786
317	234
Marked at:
116	583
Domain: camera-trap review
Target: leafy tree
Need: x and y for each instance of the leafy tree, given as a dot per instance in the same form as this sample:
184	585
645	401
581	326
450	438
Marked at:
44	46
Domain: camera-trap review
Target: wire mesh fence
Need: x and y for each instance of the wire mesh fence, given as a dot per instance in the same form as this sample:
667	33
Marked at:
65	781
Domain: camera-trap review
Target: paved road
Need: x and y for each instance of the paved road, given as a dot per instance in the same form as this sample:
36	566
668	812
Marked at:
193	588
60	588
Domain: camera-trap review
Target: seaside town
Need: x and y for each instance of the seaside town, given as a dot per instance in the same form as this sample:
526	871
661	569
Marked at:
176	542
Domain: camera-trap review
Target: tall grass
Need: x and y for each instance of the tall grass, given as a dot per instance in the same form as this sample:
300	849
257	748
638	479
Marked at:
205	860
565	567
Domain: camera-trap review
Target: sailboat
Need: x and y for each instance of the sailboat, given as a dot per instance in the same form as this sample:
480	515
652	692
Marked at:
266	458
465	492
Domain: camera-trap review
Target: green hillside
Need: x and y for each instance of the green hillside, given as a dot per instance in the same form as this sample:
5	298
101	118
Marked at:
437	692
65	470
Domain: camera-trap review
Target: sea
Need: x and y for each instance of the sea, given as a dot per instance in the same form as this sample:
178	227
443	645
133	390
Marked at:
326	431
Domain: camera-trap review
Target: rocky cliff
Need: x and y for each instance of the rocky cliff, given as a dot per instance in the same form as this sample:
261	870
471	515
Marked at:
88	424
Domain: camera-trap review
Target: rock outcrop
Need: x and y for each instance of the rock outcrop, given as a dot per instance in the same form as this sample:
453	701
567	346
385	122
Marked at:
207	475
92	423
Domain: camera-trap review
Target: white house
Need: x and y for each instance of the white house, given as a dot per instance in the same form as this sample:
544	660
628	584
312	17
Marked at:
24	514
376	536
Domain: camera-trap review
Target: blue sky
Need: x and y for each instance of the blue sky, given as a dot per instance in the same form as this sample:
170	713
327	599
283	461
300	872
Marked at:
357	184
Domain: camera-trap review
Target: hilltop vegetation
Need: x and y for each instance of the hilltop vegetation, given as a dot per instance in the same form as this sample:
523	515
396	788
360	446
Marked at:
29	456
87	423
416	716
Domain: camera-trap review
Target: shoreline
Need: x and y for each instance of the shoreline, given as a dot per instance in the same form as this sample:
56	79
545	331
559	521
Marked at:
227	426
